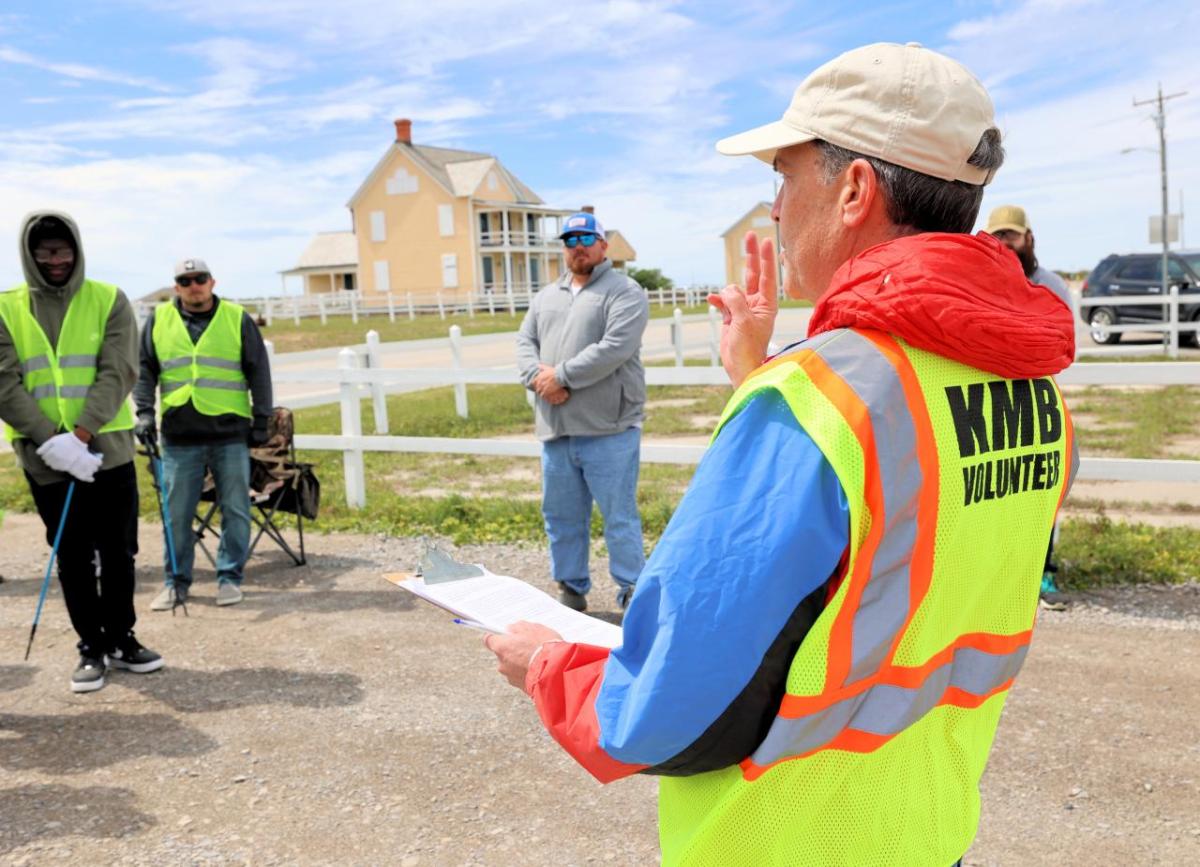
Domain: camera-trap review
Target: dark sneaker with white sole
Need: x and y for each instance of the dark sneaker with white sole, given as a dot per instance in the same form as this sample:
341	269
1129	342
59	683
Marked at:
571	599
89	674
131	656
624	595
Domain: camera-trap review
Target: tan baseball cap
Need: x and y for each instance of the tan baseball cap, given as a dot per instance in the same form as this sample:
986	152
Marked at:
1007	218
903	104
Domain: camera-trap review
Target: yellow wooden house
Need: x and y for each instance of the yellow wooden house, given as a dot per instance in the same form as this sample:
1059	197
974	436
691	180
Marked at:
757	219
432	219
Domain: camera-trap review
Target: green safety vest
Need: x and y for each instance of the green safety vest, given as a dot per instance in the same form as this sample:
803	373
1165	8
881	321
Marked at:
59	377
207	373
953	478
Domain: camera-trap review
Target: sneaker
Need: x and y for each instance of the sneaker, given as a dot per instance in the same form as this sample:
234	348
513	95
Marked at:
89	674
1052	601
169	597
571	599
229	593
131	656
624	595
1048	585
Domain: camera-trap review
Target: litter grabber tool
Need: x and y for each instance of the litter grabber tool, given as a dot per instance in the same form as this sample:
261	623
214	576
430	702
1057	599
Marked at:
62	522
150	448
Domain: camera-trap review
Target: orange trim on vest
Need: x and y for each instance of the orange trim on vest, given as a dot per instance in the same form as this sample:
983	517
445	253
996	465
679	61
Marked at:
1069	429
858	418
794	706
921	568
854	741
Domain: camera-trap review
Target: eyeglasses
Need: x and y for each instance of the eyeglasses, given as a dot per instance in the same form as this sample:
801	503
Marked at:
58	254
198	279
586	240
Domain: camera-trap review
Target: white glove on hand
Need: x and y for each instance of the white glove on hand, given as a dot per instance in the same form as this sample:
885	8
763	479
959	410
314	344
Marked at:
61	451
85	466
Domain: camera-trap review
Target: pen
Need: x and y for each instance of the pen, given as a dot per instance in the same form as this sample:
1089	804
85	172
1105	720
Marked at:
472	624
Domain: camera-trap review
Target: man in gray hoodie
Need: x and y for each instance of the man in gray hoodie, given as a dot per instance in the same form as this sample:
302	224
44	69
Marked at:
579	350
68	361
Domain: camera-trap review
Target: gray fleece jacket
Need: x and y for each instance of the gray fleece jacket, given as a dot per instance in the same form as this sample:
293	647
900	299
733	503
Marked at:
593	341
116	367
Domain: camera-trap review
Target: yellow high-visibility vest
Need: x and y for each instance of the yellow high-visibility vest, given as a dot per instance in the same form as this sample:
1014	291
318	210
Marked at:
954	477
209	372
58	377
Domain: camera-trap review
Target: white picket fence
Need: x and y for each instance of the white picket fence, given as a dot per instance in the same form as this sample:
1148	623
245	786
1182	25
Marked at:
351	380
406	305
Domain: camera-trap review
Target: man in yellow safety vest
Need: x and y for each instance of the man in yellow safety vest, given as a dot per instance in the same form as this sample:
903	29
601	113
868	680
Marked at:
207	359
68	360
819	648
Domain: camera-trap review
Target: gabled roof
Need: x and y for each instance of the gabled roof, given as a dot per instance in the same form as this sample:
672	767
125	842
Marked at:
328	250
766	205
451	169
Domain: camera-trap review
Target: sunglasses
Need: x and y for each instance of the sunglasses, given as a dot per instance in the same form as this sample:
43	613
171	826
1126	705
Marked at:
198	279
574	241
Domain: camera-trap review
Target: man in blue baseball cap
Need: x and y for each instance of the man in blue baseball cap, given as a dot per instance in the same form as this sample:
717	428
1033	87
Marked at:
578	351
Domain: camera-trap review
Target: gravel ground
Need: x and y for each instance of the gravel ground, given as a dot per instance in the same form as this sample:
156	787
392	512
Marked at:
330	719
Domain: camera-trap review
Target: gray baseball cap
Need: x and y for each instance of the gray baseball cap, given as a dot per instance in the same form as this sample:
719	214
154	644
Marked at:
191	266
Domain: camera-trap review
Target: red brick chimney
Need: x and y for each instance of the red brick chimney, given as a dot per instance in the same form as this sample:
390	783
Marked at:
403	130
588	209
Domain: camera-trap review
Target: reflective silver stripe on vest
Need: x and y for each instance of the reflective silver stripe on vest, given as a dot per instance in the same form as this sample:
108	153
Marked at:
37	362
205	382
77	361
883	607
176	362
168	387
66	391
221	363
886	709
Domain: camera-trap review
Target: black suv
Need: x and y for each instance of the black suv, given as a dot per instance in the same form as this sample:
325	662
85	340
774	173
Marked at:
1141	274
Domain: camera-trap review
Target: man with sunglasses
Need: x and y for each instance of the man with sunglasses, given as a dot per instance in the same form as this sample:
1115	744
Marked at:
68	360
206	357
578	350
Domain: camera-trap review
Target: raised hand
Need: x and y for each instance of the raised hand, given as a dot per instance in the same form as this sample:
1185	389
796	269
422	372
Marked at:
749	315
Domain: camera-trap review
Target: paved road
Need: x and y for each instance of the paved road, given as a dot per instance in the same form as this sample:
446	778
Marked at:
498	351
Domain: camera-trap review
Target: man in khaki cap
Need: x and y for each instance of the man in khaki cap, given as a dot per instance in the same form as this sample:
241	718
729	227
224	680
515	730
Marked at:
818	650
1009	225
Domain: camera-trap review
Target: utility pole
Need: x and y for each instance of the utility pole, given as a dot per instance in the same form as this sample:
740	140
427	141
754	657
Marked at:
1160	121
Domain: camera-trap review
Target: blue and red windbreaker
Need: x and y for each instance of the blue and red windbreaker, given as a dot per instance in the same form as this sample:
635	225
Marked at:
744	567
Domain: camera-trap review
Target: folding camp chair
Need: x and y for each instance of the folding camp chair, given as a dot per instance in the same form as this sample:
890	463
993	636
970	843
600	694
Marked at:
279	484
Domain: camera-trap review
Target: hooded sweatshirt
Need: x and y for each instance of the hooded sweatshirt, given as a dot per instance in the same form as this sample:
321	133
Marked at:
116	367
743	569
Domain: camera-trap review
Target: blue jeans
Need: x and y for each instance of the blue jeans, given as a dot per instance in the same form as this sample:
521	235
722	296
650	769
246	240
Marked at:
183	477
575	471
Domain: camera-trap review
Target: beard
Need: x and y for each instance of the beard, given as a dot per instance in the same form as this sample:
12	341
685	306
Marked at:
580	268
1029	262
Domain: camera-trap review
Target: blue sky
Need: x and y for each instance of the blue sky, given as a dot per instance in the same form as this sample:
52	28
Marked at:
234	131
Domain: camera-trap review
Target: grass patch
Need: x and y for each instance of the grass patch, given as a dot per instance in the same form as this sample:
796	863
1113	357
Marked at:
1136	423
1100	552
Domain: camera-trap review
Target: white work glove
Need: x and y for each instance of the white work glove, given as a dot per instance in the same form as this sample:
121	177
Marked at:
85	466
61	451
67	453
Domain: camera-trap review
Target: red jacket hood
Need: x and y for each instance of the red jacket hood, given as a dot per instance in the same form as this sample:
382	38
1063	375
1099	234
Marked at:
964	297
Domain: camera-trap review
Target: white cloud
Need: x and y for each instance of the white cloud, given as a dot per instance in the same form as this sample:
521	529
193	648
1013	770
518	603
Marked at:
248	217
77	71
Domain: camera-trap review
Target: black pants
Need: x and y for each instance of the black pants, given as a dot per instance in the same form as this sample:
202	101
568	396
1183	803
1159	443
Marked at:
102	520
